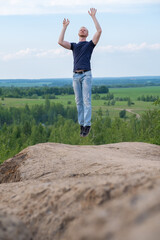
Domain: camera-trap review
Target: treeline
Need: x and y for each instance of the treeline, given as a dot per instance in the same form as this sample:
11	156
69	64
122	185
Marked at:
109	96
36	92
148	98
33	92
100	89
45	113
53	123
110	100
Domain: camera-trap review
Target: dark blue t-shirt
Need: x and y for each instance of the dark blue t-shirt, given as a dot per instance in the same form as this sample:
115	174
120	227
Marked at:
82	52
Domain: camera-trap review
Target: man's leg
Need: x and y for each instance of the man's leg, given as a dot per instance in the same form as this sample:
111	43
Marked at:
77	86
86	89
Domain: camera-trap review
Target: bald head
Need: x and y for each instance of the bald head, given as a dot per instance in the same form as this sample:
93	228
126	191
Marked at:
83	32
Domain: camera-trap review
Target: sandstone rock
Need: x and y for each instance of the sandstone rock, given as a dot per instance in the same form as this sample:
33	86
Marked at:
11	228
84	192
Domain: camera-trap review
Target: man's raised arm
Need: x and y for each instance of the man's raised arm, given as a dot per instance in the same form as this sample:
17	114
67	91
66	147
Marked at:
97	35
61	41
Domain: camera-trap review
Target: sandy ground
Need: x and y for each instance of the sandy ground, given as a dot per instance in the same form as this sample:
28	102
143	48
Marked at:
67	192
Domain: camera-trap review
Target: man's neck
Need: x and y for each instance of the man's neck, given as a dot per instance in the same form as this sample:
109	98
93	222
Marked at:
82	39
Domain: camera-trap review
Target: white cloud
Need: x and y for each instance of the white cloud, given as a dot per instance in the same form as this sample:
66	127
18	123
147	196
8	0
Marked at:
130	47
58	52
35	53
18	55
20	7
104	2
61	52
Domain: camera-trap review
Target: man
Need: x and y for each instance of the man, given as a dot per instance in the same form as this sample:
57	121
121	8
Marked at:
82	76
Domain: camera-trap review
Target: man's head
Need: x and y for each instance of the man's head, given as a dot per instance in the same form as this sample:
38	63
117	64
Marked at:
83	32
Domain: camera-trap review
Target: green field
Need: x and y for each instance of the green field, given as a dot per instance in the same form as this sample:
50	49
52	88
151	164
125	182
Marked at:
138	108
134	93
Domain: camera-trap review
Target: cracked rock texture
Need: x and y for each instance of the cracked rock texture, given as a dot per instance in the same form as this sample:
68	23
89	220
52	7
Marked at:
65	192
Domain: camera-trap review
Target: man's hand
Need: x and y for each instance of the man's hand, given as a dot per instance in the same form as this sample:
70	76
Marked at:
61	41
97	35
66	22
92	12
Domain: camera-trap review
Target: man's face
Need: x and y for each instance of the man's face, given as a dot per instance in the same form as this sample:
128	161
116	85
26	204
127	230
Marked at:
83	32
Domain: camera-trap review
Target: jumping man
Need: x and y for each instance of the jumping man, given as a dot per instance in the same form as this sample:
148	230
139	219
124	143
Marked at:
82	76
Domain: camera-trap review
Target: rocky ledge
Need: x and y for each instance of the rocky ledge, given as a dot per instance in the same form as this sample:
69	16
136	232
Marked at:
63	192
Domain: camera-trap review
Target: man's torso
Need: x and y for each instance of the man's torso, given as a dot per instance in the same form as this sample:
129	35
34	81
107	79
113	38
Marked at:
82	52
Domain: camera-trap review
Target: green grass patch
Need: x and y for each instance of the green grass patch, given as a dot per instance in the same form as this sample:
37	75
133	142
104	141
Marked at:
136	92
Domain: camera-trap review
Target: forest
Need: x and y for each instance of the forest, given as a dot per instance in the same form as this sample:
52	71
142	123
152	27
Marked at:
52	122
50	92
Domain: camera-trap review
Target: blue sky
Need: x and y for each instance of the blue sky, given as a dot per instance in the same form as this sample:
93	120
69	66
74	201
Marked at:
129	45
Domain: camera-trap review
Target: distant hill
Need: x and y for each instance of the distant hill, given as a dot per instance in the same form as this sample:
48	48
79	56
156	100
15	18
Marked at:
61	82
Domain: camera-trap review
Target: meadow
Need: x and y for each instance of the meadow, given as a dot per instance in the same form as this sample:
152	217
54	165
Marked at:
113	111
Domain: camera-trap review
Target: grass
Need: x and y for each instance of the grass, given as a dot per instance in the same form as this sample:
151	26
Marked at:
138	107
135	92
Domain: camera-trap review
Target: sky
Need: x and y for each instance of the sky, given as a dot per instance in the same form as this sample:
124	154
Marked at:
29	32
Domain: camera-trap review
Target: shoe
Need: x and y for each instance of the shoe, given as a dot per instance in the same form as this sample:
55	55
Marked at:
86	131
81	131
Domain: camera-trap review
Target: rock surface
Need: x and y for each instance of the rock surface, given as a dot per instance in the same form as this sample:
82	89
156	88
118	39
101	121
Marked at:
12	228
66	192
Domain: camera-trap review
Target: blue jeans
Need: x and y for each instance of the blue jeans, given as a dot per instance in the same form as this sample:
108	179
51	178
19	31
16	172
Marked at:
82	84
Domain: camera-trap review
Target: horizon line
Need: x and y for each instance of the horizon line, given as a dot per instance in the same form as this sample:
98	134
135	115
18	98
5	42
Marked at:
3	79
